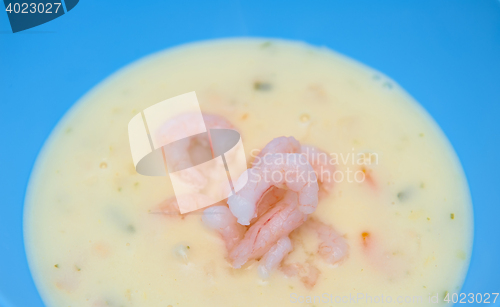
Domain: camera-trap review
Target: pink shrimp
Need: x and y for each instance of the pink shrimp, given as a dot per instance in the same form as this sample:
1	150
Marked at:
280	144
333	247
272	259
275	224
308	273
183	153
178	151
270	198
278	170
221	219
319	160
168	207
280	191
325	171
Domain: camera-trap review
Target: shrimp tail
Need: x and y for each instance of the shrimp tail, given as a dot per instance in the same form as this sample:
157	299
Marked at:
272	259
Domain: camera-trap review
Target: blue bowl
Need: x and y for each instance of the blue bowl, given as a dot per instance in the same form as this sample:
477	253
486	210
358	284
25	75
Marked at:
444	53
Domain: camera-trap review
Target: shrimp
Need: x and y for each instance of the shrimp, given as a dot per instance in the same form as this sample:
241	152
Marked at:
178	151
168	207
280	144
279	170
318	159
272	259
308	273
270	198
325	171
221	219
333	247
275	224
274	198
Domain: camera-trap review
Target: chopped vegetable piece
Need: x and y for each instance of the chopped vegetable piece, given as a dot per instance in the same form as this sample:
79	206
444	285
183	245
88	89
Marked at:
262	86
403	195
131	228
365	235
265	44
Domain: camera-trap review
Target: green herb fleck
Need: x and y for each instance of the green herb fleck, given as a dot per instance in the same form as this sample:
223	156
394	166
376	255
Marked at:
77	268
188	247
461	255
403	195
130	228
452	216
262	86
56	266
265	44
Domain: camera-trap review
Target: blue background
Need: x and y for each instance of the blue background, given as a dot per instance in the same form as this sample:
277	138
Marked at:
444	53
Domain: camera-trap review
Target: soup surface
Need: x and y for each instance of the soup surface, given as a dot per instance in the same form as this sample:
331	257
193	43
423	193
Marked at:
96	234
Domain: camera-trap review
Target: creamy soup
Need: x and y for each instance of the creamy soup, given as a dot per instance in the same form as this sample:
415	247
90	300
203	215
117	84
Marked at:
96	233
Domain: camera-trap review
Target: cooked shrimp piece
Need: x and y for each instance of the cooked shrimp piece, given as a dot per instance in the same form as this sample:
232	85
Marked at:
277	223
320	162
308	273
168	207
179	160
181	153
272	259
283	145
270	198
281	171
221	219
280	144
333	247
